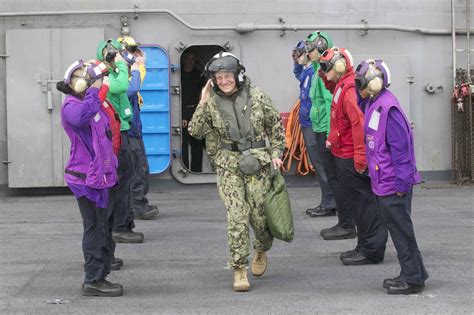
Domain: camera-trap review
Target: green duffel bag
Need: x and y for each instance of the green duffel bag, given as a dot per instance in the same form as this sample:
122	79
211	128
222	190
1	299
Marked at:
278	210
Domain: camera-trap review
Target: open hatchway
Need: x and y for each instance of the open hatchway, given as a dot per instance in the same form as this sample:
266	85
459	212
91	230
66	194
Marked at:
188	56
193	59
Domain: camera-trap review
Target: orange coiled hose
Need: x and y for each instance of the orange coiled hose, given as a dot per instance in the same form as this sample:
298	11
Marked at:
295	147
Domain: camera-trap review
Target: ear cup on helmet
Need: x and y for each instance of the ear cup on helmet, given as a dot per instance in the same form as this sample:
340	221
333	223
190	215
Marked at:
241	77
375	85
340	66
79	85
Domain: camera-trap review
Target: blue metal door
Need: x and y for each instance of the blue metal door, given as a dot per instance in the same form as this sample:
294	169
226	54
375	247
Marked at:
155	111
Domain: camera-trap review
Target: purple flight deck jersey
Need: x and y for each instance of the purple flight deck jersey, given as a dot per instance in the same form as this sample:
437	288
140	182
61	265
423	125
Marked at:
389	146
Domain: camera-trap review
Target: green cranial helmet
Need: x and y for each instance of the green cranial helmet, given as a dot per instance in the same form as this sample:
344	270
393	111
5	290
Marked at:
112	45
318	40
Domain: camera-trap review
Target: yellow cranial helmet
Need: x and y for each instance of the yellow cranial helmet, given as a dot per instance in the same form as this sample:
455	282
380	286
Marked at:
128	43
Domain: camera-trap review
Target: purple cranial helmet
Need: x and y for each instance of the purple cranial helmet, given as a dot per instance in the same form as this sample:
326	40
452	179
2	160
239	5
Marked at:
70	70
93	70
367	75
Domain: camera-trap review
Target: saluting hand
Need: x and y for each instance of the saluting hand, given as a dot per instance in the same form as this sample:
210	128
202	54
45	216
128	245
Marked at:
96	83
135	66
294	56
140	60
206	93
118	57
139	53
105	80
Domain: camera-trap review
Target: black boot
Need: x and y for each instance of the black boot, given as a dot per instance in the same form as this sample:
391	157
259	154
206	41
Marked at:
147	214
357	260
118	261
322	212
340	233
332	228
115	285
153	207
102	288
403	287
390	282
349	253
127	237
114	266
309	210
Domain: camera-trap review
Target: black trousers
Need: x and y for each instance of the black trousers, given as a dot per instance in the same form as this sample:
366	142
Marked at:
109	216
372	234
140	177
123	215
344	210
395	212
196	151
97	256
310	141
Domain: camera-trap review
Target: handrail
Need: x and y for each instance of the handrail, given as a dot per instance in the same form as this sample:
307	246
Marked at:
243	28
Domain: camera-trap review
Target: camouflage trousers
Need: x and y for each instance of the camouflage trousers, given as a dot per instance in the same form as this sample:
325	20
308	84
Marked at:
243	197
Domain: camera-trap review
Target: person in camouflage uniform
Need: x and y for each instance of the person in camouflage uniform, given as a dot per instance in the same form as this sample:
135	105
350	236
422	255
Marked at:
237	121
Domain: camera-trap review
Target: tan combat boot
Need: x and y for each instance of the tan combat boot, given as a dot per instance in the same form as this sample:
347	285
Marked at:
241	283
259	263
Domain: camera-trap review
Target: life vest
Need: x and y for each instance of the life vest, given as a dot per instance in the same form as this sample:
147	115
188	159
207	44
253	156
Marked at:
114	120
379	159
96	169
236	113
340	135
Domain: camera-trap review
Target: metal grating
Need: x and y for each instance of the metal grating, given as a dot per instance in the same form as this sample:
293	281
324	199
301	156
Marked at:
462	133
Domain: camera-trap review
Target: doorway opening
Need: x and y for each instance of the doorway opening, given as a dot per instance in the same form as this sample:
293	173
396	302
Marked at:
193	59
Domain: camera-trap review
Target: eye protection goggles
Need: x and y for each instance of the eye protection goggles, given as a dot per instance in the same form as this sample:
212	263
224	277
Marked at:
325	61
319	44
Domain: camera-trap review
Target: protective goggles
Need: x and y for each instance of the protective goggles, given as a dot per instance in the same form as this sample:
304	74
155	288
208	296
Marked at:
325	61
361	82
131	48
319	44
111	53
298	52
326	66
129	43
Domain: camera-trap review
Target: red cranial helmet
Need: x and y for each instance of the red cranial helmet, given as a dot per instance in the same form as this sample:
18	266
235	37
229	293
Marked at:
338	58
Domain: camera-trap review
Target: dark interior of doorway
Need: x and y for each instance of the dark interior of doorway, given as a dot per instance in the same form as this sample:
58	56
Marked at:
194	157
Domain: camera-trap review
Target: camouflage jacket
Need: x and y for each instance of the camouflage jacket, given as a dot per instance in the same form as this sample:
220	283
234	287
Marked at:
208	123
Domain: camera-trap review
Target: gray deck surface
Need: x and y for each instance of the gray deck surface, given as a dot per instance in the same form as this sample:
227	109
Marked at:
180	267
